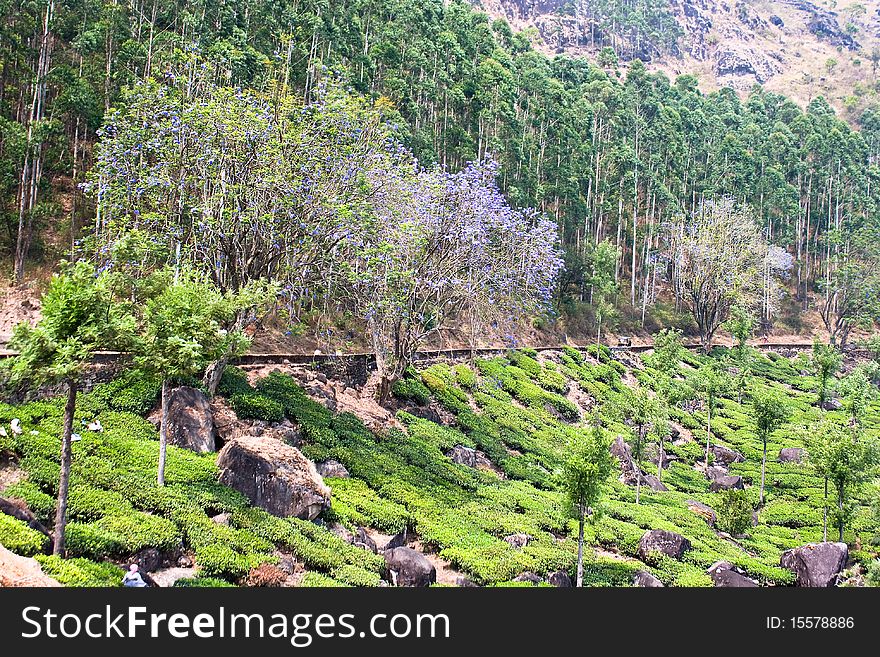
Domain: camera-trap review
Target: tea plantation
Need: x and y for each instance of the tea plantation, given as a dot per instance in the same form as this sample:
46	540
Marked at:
518	410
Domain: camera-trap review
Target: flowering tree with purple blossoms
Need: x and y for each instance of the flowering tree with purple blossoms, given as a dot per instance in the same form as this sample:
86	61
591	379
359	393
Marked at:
440	246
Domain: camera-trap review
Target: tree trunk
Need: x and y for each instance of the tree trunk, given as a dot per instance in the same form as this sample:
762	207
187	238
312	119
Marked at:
163	431
638	483
763	469
825	514
708	435
840	514
660	461
213	375
64	479
579	581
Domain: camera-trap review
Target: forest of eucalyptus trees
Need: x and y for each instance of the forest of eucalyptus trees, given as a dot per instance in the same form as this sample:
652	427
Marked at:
611	152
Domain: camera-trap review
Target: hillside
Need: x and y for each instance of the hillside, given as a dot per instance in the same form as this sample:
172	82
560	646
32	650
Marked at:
466	470
785	46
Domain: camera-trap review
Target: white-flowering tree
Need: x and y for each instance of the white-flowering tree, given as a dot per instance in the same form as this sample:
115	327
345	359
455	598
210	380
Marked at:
721	258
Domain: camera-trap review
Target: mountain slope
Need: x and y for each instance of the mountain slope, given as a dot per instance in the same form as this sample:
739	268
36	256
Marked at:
785	45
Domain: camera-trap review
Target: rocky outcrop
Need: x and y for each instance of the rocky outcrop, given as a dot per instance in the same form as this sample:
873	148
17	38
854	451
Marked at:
190	420
726	455
332	468
517	541
791	455
472	458
407	567
363	540
704	511
273	476
559	579
16	571
528	576
725	574
660	541
646	580
832	405
729	482
816	564
739	61
653	483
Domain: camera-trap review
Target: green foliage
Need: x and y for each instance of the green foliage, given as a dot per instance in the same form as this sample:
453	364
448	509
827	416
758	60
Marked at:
413	389
233	381
81	572
15	535
202	582
825	361
133	392
734	512
253	406
121	536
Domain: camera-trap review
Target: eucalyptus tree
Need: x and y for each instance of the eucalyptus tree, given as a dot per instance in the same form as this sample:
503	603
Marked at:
770	412
709	383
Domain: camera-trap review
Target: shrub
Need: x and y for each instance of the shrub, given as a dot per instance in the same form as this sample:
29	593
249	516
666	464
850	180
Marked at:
734	512
16	536
294	401
202	582
356	576
81	572
41	504
121	536
412	389
253	406
221	561
133	392
317	580
234	381
265	575
465	376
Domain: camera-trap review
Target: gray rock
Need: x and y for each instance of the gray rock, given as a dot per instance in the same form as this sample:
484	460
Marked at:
472	458
726	455
517	540
559	579
725	574
703	510
148	559
716	472
791	455
832	405
654	483
816	564
646	580
222	518
190	420
273	476
409	568
665	542
19	510
528	577
464	582
332	468
396	541
363	540
727	483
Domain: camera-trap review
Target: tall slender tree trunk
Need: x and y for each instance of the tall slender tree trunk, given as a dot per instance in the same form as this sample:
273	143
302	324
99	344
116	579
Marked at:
660	461
840	514
163	431
763	470
708	434
579	581
825	514
64	479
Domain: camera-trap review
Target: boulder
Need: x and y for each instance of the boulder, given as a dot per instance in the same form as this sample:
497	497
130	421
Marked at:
363	540
646	580
726	575
629	473
703	510
190	420
517	540
653	483
19	509
222	518
663	542
148	560
396	541
727	483
816	564
341	532
832	405
528	577
409	568
470	457
22	571
791	455
332	468
726	455
464	582
559	579
273	476
716	472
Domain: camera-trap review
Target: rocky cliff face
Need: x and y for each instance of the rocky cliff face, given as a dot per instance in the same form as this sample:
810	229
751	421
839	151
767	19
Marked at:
798	47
